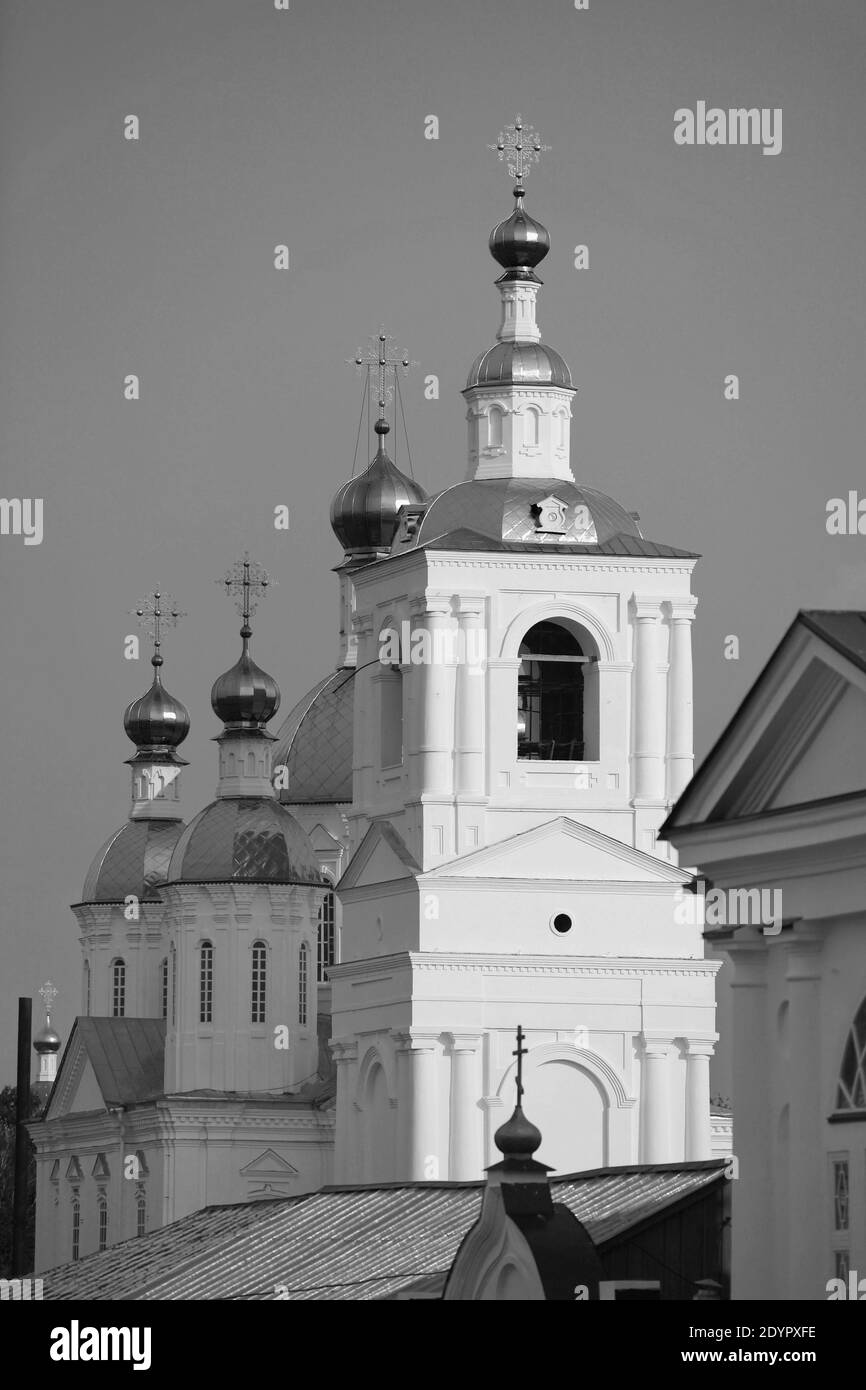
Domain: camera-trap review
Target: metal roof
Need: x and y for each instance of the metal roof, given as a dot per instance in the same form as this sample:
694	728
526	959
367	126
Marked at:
315	742
127	1055
465	539
844	629
359	1243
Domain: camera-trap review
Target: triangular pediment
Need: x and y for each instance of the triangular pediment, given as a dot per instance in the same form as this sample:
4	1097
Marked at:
562	849
76	1089
796	739
269	1166
381	857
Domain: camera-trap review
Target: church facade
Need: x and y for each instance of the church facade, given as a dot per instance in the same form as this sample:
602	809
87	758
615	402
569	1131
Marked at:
455	831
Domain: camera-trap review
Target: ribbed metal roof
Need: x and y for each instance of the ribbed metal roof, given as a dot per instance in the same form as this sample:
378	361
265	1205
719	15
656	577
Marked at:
250	838
519	364
315	742
127	1055
134	859
350	1242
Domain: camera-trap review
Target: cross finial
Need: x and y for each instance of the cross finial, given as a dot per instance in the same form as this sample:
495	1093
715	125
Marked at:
49	994
157	611
520	146
247	580
382	354
520	1053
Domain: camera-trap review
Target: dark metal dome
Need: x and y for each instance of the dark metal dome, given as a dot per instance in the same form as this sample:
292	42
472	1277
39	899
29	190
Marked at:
157	719
520	363
245	697
315	742
134	859
364	511
250	838
519	243
503	508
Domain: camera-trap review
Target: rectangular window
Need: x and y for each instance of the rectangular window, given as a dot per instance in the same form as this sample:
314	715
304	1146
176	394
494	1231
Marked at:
205	1011
327	952
164	969
141	1217
173	986
118	989
103	1224
76	1229
302	985
259	983
840	1194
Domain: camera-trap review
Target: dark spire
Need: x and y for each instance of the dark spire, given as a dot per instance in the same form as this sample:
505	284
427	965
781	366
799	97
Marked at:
518	1138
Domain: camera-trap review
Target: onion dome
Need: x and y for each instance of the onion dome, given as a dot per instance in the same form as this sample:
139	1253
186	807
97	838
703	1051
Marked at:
364	511
245	697
252	839
518	1137
46	1040
519	243
156	720
134	859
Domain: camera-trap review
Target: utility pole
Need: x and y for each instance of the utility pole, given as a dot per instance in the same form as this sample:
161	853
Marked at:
22	1113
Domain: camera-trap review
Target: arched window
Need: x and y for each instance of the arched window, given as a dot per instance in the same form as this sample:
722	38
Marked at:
851	1090
86	988
205	992
553	718
163	985
302	984
259	982
173	954
103	1223
118	989
494	427
327	953
251	764
531	427
76	1228
141	1215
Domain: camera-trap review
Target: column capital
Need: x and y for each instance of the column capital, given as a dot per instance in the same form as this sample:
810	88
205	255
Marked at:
470	606
362	624
343	1049
681	610
803	957
463	1042
656	1044
412	1040
749	959
430	606
646	607
701	1047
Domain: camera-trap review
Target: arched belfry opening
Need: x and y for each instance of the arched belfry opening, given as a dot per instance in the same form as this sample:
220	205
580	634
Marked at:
557	693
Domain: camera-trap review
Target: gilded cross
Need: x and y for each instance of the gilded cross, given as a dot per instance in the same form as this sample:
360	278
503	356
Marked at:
247	580
520	146
157	611
383	355
49	994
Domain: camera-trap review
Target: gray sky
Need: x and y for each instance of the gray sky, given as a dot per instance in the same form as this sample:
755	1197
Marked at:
307	128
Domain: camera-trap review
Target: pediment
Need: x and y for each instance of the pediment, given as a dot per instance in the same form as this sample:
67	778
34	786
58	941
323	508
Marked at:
381	857
76	1089
796	739
562	849
269	1165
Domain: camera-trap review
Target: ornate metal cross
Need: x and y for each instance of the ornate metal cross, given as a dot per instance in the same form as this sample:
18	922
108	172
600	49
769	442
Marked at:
155	612
49	994
520	146
520	1053
248	580
382	354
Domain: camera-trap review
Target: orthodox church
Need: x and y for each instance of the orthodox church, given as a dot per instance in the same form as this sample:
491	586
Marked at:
317	979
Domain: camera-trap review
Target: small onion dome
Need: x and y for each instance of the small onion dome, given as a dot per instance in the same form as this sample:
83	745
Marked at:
519	243
518	1137
364	511
46	1040
157	719
520	364
245	697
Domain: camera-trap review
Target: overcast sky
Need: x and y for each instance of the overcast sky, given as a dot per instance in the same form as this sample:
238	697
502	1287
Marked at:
261	127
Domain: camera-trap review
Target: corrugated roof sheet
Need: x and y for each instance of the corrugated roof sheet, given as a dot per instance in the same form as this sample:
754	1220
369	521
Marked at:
341	1243
127	1055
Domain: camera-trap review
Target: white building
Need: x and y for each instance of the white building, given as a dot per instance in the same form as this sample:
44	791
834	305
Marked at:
779	806
483	778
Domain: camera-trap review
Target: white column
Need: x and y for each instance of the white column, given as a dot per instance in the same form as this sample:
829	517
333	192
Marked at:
698	1144
753	1274
465	1161
469	698
347	1145
655	1100
649	705
681	758
418	1104
432	680
807	1254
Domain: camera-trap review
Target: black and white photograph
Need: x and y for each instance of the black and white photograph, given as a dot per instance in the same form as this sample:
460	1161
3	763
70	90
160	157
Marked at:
433	641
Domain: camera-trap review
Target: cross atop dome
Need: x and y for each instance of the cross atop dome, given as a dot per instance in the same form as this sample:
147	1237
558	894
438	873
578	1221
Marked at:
520	146
248	581
157	610
382	354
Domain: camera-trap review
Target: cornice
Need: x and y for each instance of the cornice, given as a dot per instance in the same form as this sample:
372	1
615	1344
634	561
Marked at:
636	967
